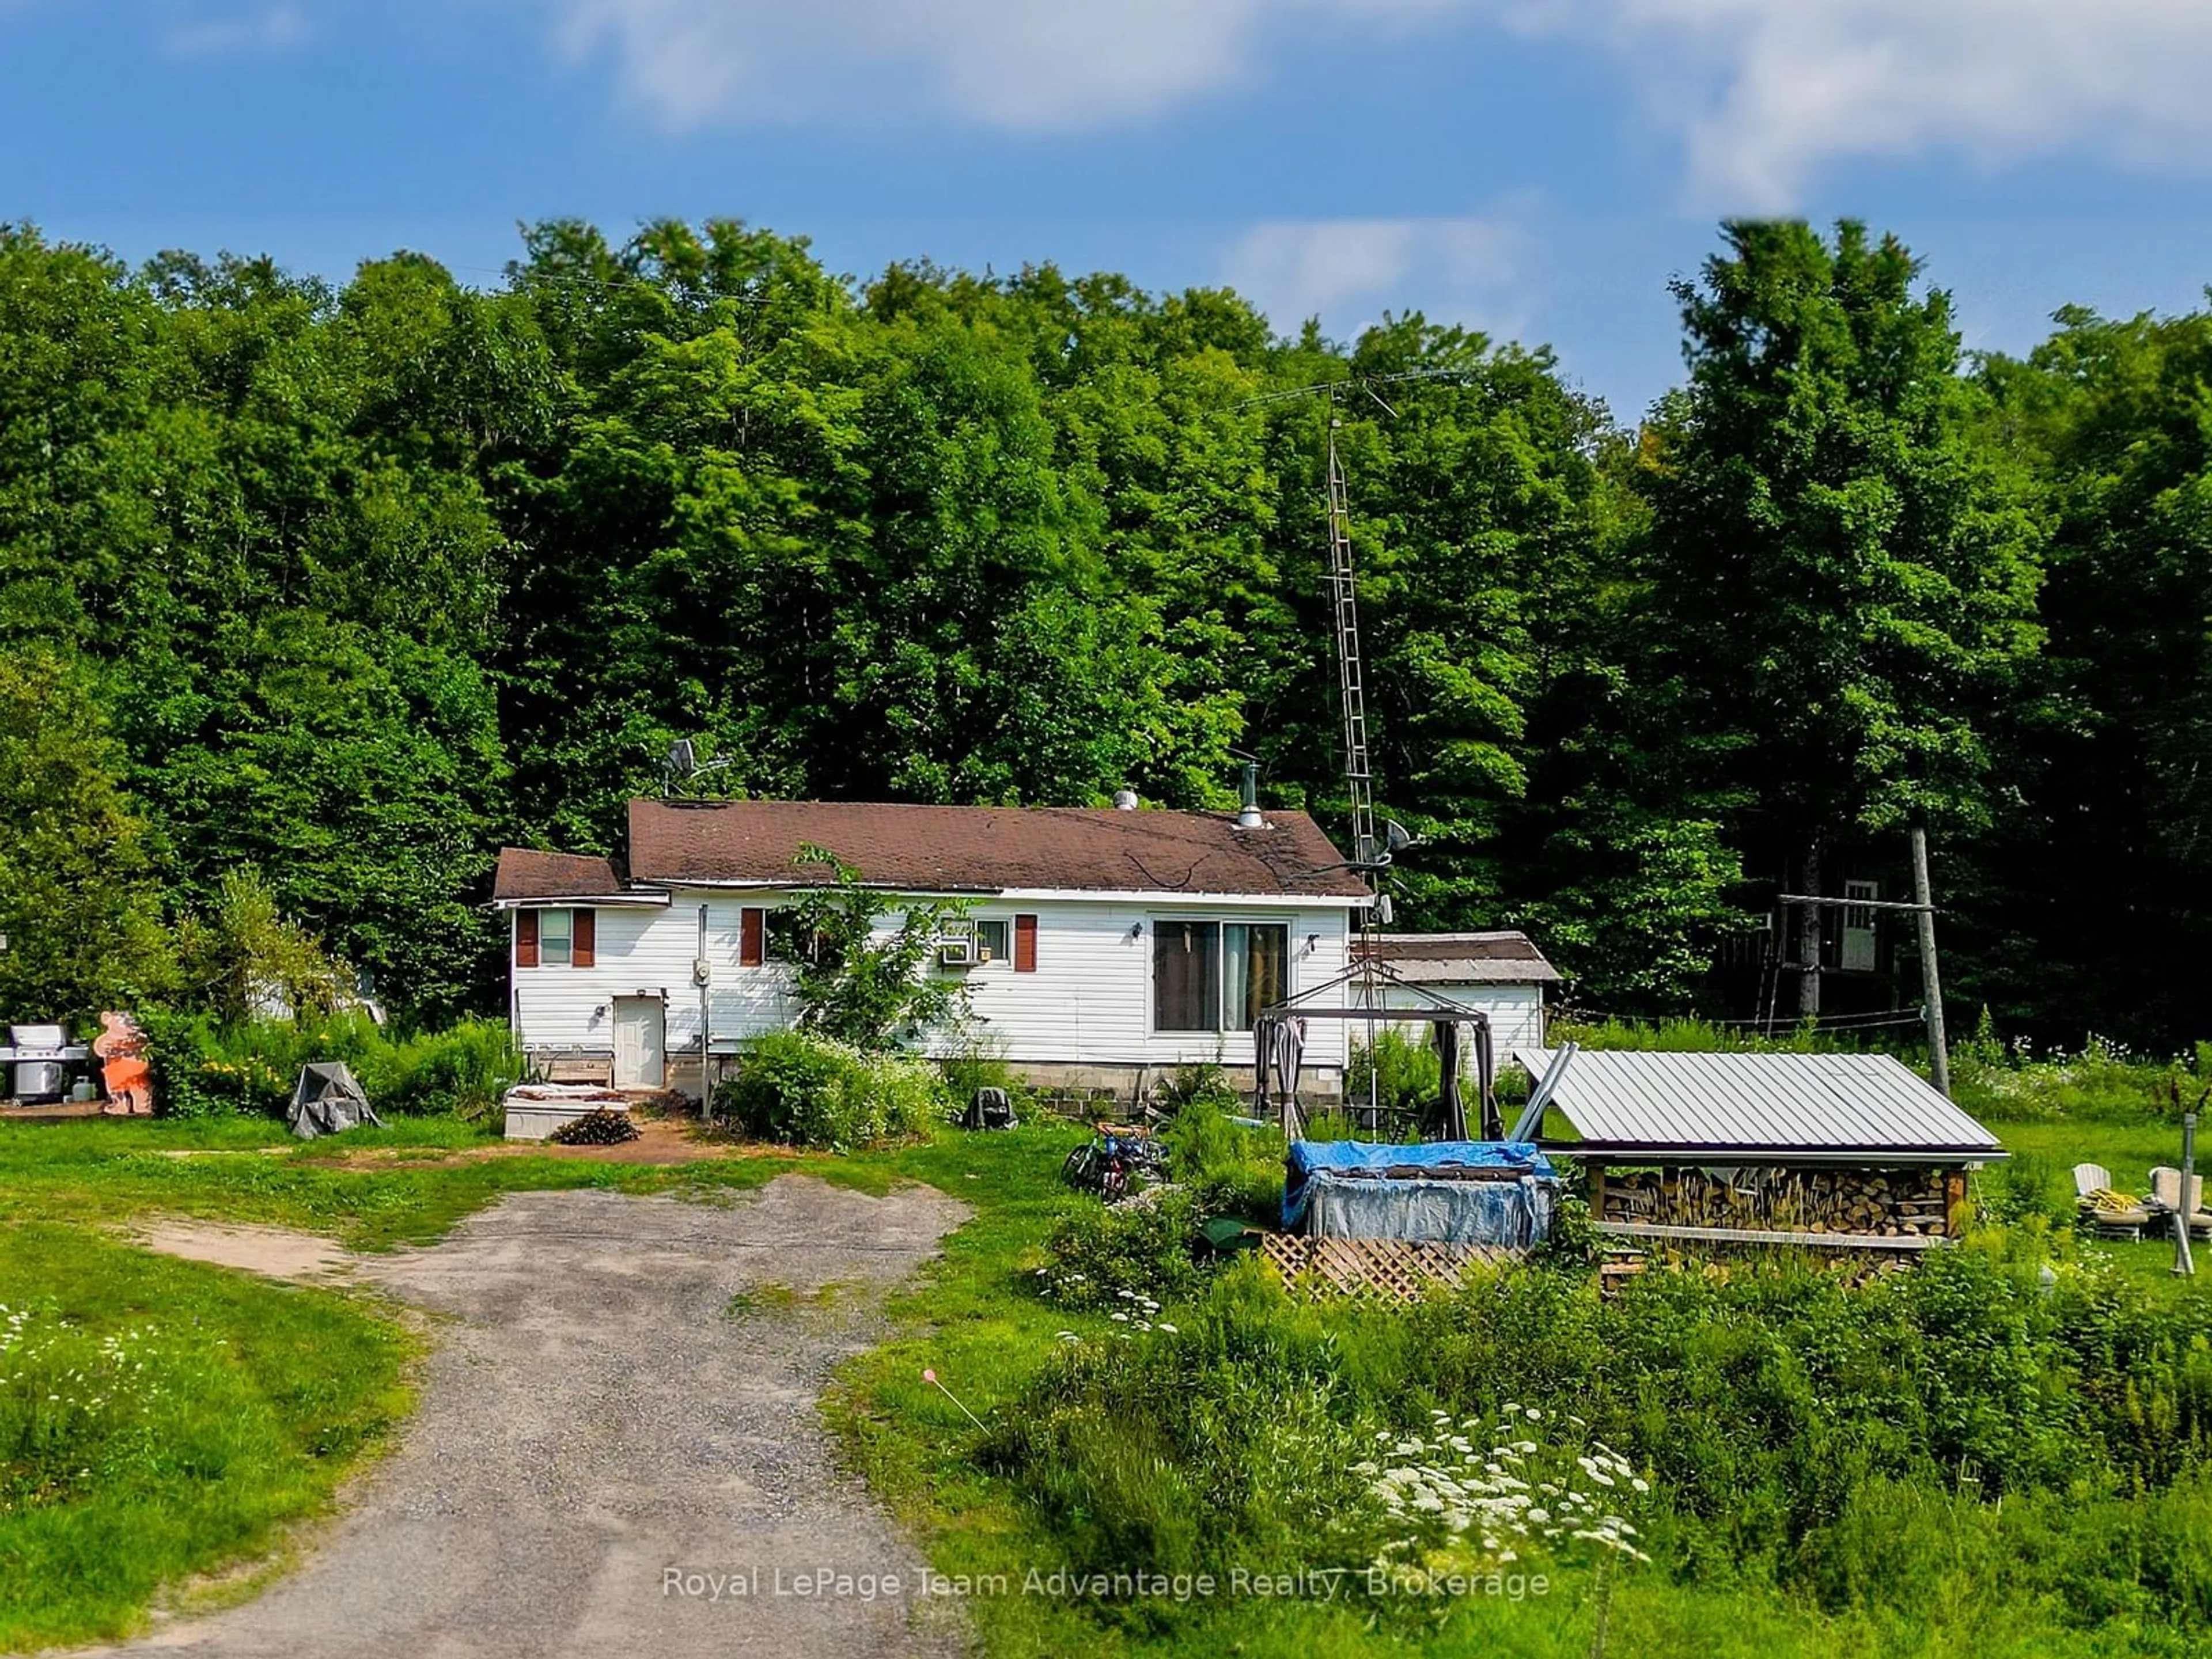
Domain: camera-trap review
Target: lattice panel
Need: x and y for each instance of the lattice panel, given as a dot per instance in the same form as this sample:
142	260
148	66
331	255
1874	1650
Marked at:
1389	1270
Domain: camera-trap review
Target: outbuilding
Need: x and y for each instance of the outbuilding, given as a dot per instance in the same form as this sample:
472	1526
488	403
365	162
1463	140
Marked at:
1500	975
1835	1150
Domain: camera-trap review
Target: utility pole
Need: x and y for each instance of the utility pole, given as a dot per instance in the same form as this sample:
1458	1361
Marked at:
1808	939
1931	987
2183	1264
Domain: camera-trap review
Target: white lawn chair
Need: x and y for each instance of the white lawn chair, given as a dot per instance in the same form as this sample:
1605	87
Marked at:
2109	1220
2166	1196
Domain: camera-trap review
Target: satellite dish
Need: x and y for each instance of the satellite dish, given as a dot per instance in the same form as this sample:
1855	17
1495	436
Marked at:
683	759
1395	837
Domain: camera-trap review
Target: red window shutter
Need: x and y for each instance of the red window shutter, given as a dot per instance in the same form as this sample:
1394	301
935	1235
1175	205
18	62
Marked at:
584	936
752	930
525	939
1026	944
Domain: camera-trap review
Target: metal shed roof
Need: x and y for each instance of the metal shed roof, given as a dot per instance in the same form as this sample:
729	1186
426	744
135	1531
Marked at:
1834	1107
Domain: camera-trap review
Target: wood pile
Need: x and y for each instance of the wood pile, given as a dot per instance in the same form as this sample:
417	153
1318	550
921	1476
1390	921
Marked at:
604	1128
1871	1203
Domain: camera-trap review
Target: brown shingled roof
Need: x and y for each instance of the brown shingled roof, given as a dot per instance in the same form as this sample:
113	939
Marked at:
526	873
987	848
1454	958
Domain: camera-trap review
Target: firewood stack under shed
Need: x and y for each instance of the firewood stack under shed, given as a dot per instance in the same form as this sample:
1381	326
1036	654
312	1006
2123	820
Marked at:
1884	1203
1835	1152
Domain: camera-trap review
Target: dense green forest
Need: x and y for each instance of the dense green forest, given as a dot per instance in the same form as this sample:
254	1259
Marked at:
313	596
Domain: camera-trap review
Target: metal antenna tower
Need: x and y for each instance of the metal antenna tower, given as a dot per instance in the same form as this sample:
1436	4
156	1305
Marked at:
1343	604
1370	852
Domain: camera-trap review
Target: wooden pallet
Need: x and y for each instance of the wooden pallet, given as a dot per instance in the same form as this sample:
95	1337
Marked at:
1384	1269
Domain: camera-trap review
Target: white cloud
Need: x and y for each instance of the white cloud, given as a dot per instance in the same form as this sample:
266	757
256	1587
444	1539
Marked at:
1760	94
1348	272
270	28
1027	65
1765	92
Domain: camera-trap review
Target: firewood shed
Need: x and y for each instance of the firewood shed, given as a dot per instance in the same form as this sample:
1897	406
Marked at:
1832	1151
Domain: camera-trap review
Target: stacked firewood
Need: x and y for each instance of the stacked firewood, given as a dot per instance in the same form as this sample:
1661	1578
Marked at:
604	1128
1878	1203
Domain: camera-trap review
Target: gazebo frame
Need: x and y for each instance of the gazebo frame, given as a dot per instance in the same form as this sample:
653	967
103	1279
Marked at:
1431	1007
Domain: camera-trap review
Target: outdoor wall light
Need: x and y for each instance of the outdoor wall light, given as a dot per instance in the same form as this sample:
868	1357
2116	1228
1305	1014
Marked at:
1313	943
1136	930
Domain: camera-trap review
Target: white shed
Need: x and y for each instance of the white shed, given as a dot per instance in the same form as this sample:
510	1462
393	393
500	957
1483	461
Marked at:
1502	974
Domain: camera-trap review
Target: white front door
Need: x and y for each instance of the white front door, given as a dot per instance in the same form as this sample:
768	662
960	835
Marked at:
1858	928
640	1043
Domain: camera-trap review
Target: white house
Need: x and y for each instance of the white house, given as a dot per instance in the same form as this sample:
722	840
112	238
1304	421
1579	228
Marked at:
1109	946
1502	974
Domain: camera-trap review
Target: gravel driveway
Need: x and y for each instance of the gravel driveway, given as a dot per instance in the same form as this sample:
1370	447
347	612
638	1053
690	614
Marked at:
595	1416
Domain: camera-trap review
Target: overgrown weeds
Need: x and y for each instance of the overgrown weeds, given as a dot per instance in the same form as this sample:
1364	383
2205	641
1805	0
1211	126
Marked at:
204	1070
807	1090
1789	1427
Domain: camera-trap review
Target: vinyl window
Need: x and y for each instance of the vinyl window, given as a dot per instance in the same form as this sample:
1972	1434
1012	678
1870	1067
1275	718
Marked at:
991	933
557	938
1217	976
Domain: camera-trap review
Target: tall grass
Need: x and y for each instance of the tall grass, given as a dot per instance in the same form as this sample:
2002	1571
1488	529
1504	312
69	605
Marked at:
201	1069
1953	1438
1693	1035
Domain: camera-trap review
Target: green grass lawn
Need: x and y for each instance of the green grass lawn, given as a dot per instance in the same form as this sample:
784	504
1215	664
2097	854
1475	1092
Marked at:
2044	1154
277	1392
161	1419
255	1398
92	1170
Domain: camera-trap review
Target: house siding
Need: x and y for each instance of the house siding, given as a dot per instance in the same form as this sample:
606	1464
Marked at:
1089	1003
1515	1011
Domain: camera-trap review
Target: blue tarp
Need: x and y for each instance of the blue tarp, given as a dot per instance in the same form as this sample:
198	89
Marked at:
1337	1189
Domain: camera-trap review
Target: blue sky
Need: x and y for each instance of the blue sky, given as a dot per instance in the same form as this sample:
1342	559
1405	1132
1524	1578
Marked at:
1537	169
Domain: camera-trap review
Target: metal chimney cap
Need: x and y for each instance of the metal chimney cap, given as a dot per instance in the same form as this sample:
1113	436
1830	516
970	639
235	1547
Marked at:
1125	800
1249	816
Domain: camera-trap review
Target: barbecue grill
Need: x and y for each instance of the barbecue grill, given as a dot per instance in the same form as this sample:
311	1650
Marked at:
41	1056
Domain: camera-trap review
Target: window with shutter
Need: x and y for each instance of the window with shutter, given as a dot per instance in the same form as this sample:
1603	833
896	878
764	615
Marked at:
584	929
1025	932
525	939
752	937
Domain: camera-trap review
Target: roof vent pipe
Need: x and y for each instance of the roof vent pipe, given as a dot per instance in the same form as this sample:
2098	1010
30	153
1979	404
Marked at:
1125	800
1248	817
